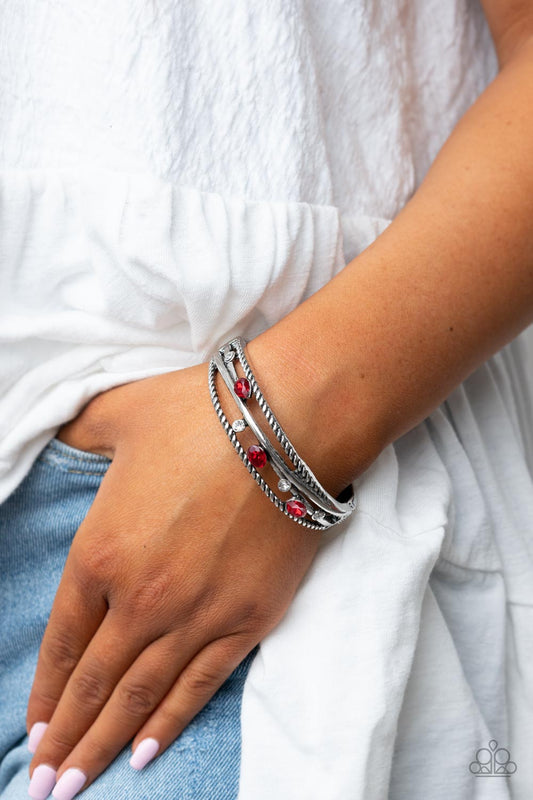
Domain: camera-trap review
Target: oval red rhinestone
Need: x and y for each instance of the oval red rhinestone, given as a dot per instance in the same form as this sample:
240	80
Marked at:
257	456
242	388
296	507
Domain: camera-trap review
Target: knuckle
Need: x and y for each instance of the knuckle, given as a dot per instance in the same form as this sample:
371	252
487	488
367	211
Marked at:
201	679
136	699
96	561
251	614
91	563
58	743
44	698
99	749
62	650
151	596
89	689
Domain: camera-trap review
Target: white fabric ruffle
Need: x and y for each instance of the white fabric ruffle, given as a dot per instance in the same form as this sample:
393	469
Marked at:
110	277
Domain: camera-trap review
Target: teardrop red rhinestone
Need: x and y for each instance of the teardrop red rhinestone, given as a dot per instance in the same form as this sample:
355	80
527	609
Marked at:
242	388
296	507
257	456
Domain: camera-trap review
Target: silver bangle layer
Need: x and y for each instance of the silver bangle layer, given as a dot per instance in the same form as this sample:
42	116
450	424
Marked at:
309	498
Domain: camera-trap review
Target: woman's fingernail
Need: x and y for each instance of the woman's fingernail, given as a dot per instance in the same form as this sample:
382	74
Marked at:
144	752
69	784
36	734
42	782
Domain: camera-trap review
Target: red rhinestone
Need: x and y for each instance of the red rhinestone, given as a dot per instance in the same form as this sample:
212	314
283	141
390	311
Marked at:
296	507
257	456
242	388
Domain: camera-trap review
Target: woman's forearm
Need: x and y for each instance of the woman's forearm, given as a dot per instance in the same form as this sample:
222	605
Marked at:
443	288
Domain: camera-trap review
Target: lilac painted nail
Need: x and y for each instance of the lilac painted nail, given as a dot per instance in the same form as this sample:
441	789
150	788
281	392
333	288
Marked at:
42	782
36	734
144	752
69	784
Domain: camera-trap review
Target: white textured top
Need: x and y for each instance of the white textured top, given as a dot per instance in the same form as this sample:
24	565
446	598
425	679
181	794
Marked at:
174	173
171	173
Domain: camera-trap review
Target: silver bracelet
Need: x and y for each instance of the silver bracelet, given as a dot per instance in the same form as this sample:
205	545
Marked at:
302	476
309	498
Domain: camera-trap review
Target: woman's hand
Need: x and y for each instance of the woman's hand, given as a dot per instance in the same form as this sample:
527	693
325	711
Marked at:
181	566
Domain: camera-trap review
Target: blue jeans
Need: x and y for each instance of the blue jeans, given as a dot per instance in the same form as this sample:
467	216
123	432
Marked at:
37	524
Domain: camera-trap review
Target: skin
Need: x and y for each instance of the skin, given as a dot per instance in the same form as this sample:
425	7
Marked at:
186	585
189	584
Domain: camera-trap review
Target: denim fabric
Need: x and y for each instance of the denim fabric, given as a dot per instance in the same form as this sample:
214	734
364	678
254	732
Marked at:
37	524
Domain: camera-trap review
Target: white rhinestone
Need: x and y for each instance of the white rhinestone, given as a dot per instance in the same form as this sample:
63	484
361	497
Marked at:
318	516
238	425
284	485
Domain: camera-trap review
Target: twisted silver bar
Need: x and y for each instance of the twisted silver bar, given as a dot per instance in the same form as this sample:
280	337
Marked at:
275	459
302	468
278	502
307	489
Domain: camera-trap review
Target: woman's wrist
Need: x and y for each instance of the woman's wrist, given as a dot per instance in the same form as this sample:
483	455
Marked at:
443	288
336	437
